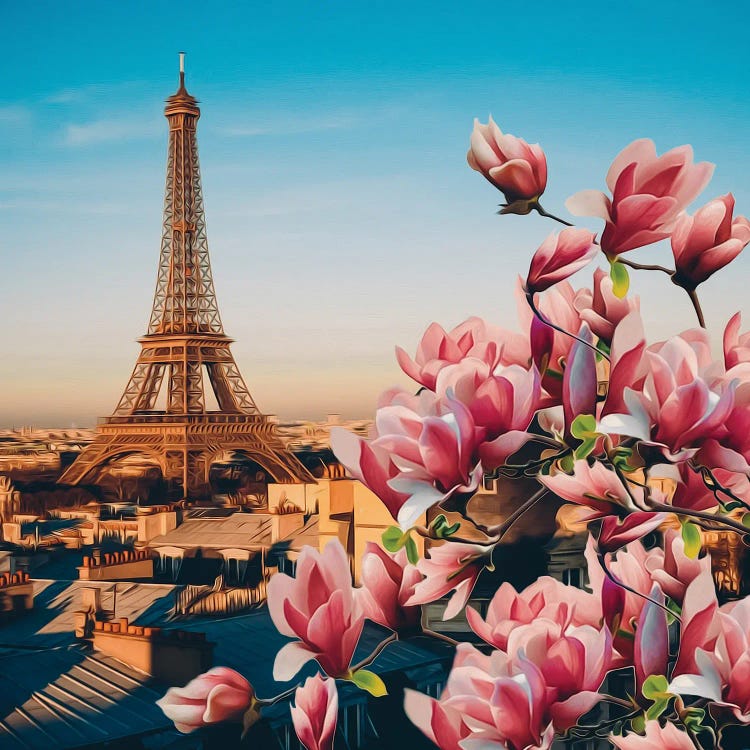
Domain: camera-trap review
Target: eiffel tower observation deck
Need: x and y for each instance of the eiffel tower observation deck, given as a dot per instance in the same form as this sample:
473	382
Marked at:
185	356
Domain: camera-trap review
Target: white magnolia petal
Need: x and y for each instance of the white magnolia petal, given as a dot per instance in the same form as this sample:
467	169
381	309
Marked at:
422	497
588	203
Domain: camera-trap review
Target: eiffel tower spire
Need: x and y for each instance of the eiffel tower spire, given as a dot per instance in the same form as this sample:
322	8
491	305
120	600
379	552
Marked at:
185	301
185	353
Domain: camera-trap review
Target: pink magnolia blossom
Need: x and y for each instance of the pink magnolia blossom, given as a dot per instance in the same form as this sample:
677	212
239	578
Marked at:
572	662
651	652
514	167
593	486
671	568
707	241
371	464
700	626
388	582
437	720
691	492
550	349
736	345
319	607
221	694
315	713
600	489
580	379
546	599
560	256
628	368
648	194
473	338
679	406
601	308
503	402
616	532
488	702
635	567
432	447
656	737
451	566
714	660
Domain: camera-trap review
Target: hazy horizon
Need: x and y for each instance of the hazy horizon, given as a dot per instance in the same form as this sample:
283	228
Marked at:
342	217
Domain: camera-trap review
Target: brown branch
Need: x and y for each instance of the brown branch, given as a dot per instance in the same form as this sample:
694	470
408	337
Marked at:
535	310
696	306
544	213
374	655
645	266
701	515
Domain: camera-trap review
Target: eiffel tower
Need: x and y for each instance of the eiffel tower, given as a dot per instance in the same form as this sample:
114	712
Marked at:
185	352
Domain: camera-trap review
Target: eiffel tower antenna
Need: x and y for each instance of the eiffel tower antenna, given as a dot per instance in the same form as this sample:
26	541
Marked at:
185	352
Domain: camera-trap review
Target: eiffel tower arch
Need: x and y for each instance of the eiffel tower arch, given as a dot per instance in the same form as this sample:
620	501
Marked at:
185	355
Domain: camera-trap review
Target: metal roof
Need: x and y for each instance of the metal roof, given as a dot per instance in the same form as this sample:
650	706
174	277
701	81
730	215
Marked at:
66	698
57	693
241	530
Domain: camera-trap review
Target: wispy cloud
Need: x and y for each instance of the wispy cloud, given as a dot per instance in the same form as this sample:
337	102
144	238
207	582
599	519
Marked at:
14	114
68	96
291	126
92	91
111	130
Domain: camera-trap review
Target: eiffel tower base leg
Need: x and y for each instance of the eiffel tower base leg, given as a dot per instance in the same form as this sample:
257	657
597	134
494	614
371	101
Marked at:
187	475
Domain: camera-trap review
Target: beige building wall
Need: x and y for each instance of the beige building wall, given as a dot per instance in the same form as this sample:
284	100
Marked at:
150	526
302	495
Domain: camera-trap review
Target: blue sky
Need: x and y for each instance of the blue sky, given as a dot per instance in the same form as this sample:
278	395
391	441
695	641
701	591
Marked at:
342	216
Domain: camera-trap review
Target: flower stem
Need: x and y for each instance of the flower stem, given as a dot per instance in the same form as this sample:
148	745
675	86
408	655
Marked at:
544	213
619	583
696	306
535	310
701	515
715	486
614	699
276	698
502	528
374	655
440	636
645	266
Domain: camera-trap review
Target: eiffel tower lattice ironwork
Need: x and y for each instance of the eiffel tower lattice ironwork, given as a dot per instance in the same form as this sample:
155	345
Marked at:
185	352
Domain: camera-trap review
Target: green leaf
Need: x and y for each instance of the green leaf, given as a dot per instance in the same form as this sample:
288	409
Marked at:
655	686
639	723
441	529
584	425
691	535
394	539
657	708
674	611
746	520
566	463
693	717
585	447
412	553
603	347
369	681
620	279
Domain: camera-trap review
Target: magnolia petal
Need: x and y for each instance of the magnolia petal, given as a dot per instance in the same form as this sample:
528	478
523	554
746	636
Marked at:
290	659
588	203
